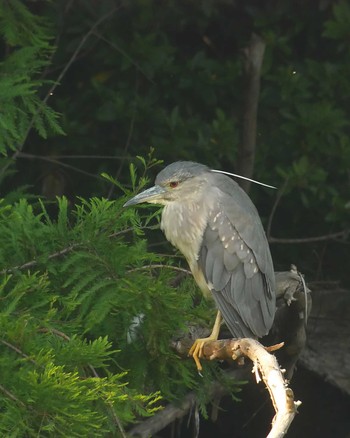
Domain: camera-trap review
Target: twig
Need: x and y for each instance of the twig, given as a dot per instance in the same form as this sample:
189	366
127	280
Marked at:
160	266
76	52
55	332
306	290
59	163
172	412
35	262
17	350
68	249
61	76
66	338
84	157
126	147
11	396
116	47
117	421
95	374
274	208
130	229
340	234
128	141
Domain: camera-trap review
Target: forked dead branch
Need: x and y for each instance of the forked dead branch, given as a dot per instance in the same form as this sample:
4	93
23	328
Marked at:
293	302
266	369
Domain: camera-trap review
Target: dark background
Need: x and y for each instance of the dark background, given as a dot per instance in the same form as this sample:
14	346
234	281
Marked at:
169	75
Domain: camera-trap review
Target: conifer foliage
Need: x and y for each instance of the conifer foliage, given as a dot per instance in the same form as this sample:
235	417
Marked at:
59	367
28	48
85	321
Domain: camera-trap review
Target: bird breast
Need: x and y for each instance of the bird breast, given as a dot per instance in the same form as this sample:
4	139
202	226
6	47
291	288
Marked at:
183	224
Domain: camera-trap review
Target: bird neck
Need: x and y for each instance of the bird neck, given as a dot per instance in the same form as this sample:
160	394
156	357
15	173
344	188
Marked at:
183	224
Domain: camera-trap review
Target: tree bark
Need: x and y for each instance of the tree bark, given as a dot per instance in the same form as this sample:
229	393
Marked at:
253	59
266	369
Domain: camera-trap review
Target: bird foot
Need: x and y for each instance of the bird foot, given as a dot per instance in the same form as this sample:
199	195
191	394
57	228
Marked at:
196	350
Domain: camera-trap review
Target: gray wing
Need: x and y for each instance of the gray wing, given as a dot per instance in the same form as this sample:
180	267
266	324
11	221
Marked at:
236	262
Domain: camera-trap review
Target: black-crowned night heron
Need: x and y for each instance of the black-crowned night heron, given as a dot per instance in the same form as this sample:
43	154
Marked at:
215	225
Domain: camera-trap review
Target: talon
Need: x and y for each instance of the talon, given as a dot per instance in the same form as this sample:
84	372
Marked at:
196	351
198	364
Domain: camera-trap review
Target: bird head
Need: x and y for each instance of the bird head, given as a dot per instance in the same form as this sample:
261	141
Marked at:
180	181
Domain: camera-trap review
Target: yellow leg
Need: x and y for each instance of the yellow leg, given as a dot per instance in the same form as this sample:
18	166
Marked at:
196	350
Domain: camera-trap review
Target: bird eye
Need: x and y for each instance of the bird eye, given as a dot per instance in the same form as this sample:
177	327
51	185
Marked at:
173	184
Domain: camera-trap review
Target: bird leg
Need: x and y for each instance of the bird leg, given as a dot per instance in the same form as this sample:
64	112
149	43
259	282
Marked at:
196	350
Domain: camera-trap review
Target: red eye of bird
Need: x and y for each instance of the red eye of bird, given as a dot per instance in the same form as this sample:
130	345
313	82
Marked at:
173	184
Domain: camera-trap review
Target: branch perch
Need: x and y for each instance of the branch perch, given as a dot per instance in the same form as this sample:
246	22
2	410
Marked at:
293	303
266	368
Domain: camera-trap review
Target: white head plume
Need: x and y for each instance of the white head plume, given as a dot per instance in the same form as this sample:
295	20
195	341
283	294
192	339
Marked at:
244	177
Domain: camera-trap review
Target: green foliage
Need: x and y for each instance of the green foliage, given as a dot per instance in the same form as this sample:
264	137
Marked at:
27	39
87	321
338	26
20	27
311	139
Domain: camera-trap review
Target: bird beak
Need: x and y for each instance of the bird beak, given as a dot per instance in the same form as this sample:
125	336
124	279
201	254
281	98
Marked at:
152	195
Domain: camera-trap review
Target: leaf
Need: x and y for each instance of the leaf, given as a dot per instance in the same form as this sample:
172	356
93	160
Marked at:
115	182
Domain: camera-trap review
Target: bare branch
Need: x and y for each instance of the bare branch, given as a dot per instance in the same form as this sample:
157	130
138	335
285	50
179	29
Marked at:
67	250
161	266
62	74
274	208
118	49
35	262
77	50
265	368
172	412
289	295
59	163
55	332
85	157
11	396
339	235
17	350
127	144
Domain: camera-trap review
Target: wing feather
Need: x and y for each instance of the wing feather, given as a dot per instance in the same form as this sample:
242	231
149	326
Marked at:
237	265
231	261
